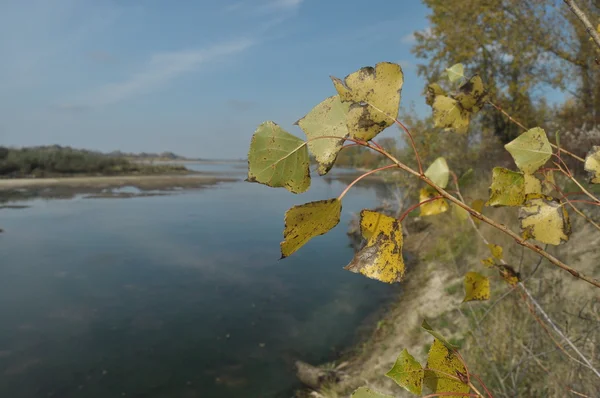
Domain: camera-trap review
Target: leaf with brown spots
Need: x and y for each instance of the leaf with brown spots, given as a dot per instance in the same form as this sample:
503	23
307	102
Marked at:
374	97
472	95
532	184
531	150
434	207
507	189
304	222
328	119
544	219
449	115
407	372
433	90
509	274
592	165
477	287
444	371
381	258
278	159
495	250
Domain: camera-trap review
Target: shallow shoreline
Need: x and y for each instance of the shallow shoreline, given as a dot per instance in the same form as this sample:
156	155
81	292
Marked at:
19	189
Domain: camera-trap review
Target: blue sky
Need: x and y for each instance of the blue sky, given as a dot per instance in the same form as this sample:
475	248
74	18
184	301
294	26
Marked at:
194	77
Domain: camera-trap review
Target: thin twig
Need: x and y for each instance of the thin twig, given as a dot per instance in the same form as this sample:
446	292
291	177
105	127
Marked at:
389	166
584	20
403	216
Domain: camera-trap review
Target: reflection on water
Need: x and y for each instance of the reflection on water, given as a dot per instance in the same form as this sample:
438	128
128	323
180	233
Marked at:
173	296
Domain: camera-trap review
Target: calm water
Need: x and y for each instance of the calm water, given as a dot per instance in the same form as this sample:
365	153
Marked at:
174	296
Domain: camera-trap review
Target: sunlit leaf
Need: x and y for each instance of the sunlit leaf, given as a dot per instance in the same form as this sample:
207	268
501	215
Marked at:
544	219
434	207
407	372
477	205
531	150
439	172
374	97
304	222
507	189
508	273
381	258
472	95
592	164
477	287
455	72
445	371
532	184
449	115
326	119
433	90
425	325
495	250
278	159
364	392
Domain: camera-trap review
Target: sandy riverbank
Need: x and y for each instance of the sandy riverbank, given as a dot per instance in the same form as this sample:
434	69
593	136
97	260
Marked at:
67	187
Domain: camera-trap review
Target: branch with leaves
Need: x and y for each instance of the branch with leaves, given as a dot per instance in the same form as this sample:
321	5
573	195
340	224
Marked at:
366	103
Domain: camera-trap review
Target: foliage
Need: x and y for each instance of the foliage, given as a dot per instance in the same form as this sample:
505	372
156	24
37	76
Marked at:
279	159
51	161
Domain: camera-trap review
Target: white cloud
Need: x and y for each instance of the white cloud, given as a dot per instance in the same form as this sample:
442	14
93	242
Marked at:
160	69
285	4
408	38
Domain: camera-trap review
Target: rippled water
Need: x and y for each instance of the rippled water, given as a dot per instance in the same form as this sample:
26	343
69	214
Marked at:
174	296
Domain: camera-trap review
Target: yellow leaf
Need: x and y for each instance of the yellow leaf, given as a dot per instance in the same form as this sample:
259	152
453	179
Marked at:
507	189
434	207
544	219
439	172
304	222
433	90
477	205
328	119
459	212
477	287
449	115
364	392
592	164
495	250
374	95
531	150
381	258
532	184
445	371
472	95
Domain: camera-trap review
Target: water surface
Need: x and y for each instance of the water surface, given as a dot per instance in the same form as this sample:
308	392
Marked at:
174	296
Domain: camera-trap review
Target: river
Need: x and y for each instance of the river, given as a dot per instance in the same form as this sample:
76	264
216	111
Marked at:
174	296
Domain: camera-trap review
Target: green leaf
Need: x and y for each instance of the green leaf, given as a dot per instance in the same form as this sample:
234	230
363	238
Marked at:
459	212
466	178
544	219
425	325
507	189
278	159
434	207
472	95
449	115
364	392
455	72
304	222
592	164
439	172
531	150
477	287
326	119
374	97
433	90
445	371
381	258
407	372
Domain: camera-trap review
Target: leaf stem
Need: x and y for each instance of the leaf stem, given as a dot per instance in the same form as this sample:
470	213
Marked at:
412	142
492	223
389	166
403	216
